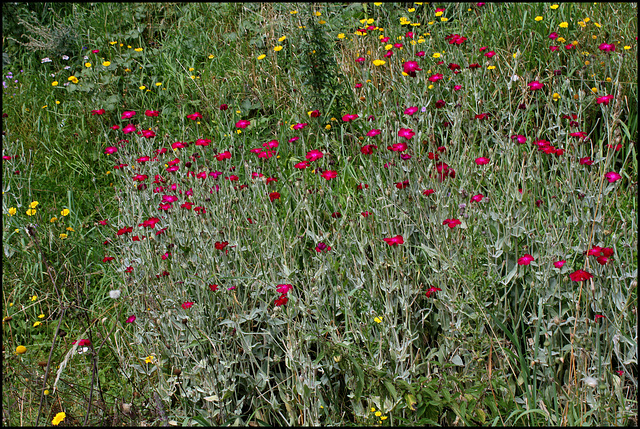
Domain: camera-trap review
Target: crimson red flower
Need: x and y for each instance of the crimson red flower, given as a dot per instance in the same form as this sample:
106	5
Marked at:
368	149
284	288
147	134
440	104
314	113
474	66
451	223
224	107
108	258
489	54
602	260
320	248
224	155
203	142
428	192
580	276
598	317
398	147
329	174
410	110
150	223
140	177
221	245
477	198
402	185
274	196
455	39
444	171
98	112
125	230
213	287
432	290
281	301
525	260
366	214
187	305
336	215
302	165
151	113
482	160
243	123
194	116
394	241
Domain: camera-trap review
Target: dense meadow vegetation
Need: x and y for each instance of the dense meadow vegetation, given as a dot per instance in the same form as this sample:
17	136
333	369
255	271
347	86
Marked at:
319	214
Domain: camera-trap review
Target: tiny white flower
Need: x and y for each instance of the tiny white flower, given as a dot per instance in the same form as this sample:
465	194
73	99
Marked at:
515	77
590	381
114	294
65	57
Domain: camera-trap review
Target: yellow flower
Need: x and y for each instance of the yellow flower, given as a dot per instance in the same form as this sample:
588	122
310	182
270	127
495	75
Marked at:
317	13
65	212
53	219
282	39
17	230
21	350
556	96
377	319
439	13
574	43
553	6
627	47
36	324
34	297
322	22
582	24
128	46
377	3
261	57
46	393
72	79
239	131
416	24
138	49
586	63
341	36
54	83
63	236
277	48
142	87
112	43
436	55
293	12
444	19
563	24
70	229
210	56
87	64
373	409
327	127
106	63
58	418
491	67
383	418
149	359
12	211
31	212
378	62
561	39
370	21
430	87
431	22
538	18
378	414
608	79
57	102
41	316
594	90
45	106
388	46
33	204
191	69
411	9
587	19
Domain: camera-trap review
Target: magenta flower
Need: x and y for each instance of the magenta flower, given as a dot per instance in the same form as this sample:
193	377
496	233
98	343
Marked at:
605	99
394	241
535	85
129	129
125	230
187	305
300	126
243	123
110	150
130	319
559	264
224	155
607	47
302	165
477	198
203	142
98	112
150	223
580	276
525	260
151	113
553	36
586	161
349	118
194	116
410	68
436	77
482	160
314	155
374	132
519	138
407	133
128	114
432	290
329	174
360	60
284	288
321	247
148	134
457	87
612	176
398	147
489	54
410	110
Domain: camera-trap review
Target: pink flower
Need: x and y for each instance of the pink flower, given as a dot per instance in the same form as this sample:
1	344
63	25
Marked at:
243	123
129	129
612	176
525	260
553	48
535	85
432	290
477	198
605	99
329	174
187	305
394	241
580	276
410	68
373	133
130	319
128	114
314	155
482	160
203	142
406	133
110	150
284	288
559	264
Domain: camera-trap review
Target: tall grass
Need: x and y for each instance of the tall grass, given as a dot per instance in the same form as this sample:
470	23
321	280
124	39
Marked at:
246	287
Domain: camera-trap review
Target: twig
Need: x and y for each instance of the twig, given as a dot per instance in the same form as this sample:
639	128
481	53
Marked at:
46	374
